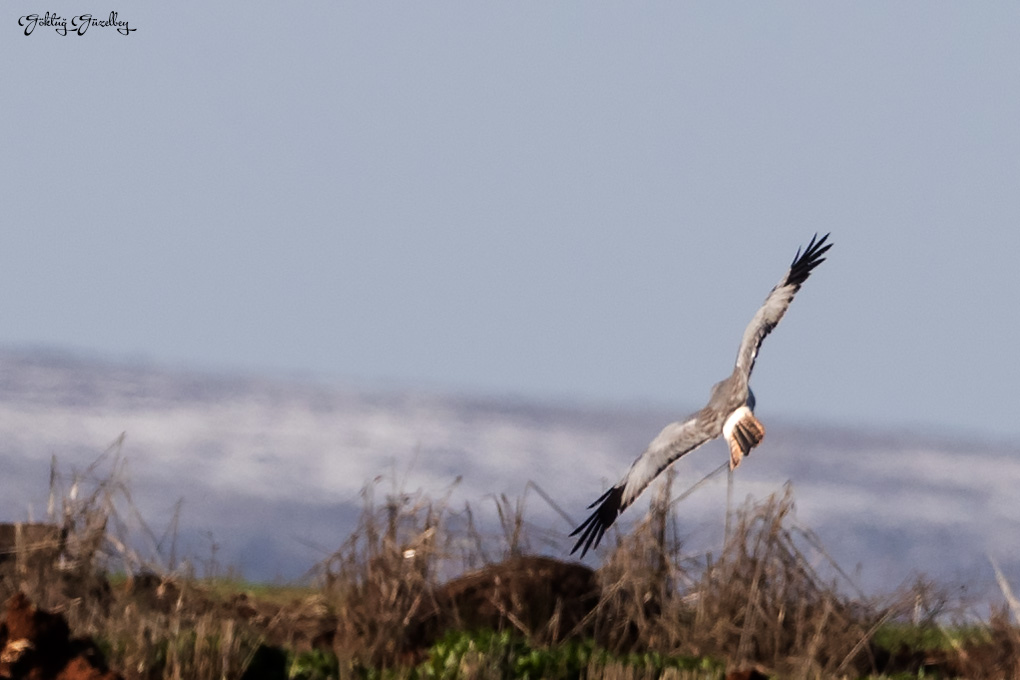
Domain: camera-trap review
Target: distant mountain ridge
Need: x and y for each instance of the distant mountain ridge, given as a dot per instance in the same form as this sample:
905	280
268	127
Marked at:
271	469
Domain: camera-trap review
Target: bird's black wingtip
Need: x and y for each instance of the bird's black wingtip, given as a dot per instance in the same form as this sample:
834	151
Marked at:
804	262
598	500
594	528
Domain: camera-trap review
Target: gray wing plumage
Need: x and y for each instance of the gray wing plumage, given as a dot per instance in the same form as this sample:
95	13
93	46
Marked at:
775	305
675	440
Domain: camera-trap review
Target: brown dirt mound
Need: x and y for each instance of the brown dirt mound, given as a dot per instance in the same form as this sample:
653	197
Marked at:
37	645
388	613
543	598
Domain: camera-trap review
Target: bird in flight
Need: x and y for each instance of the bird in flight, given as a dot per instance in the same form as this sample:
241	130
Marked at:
729	412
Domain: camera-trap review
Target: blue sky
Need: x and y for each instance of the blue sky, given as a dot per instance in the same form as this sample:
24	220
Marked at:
570	200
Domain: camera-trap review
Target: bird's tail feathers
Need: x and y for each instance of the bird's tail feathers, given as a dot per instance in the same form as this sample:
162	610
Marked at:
742	432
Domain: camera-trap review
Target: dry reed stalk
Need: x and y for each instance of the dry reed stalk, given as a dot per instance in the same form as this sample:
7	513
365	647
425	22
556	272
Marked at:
381	579
762	603
641	604
100	527
759	604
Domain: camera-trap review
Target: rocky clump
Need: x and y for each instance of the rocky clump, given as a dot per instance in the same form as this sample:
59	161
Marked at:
37	645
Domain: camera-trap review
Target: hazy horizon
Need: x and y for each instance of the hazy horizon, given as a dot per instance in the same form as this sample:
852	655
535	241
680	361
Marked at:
273	470
386	387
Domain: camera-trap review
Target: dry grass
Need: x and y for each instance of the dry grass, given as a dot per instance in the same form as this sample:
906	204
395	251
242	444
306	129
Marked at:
154	627
386	594
381	579
760	604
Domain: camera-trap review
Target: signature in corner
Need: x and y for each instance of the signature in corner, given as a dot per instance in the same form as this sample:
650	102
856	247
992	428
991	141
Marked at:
79	24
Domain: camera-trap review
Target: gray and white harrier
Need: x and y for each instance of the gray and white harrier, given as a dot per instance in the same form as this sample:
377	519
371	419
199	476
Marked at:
730	409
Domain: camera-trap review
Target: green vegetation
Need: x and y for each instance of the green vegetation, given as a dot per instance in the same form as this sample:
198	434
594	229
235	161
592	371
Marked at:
928	637
488	654
505	655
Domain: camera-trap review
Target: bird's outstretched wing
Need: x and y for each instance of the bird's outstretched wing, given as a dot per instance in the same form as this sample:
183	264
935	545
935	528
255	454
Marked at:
679	438
675	440
766	318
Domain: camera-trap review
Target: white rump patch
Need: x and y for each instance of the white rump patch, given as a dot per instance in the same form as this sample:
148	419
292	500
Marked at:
731	422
